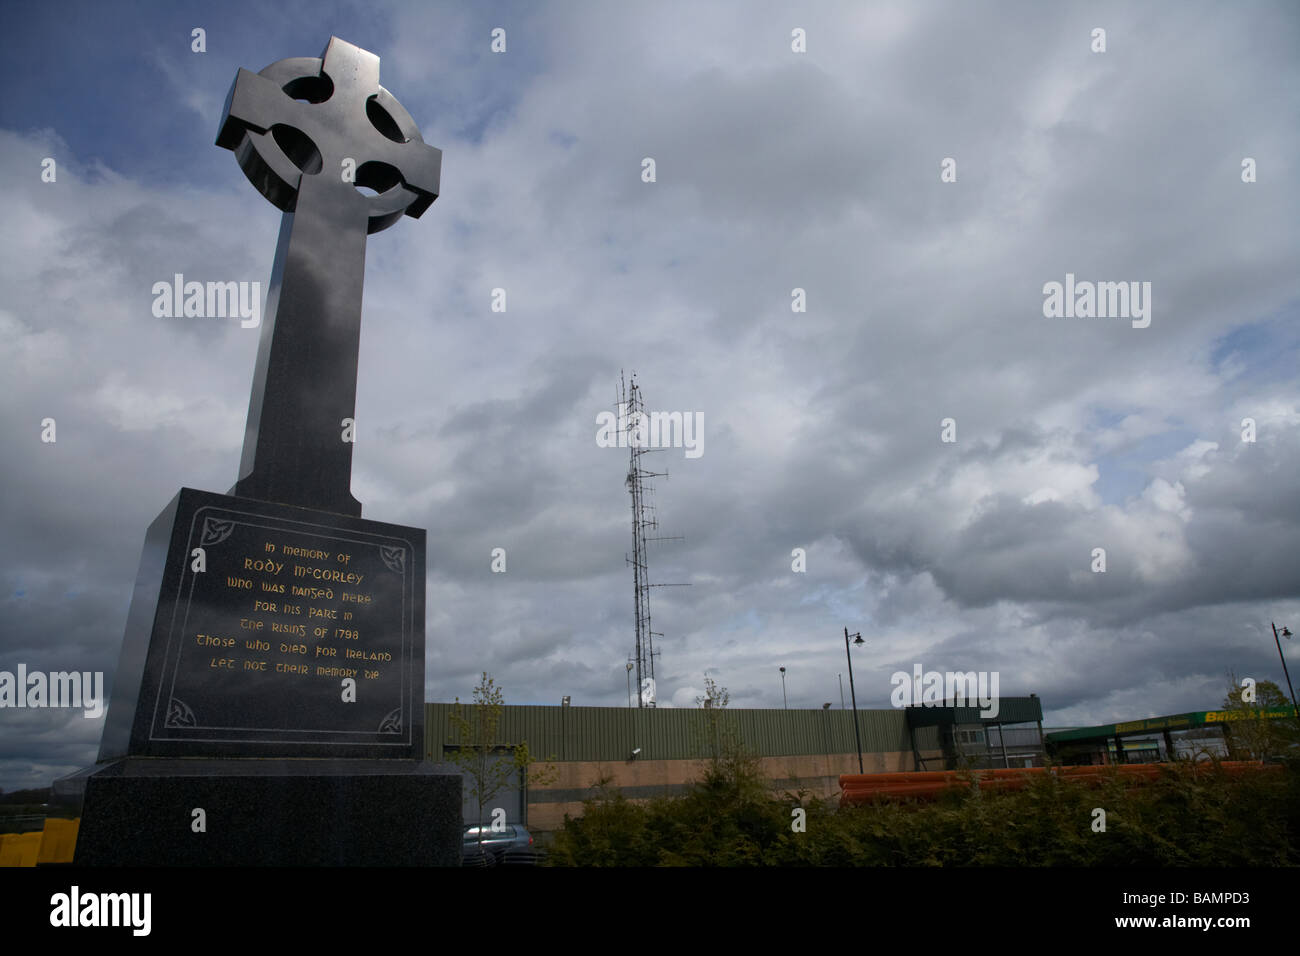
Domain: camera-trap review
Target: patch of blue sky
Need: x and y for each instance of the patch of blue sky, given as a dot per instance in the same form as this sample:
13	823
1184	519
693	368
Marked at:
1261	351
1103	418
162	90
1124	473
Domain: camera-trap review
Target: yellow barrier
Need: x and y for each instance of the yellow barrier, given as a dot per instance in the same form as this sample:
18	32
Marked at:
59	840
55	844
19	849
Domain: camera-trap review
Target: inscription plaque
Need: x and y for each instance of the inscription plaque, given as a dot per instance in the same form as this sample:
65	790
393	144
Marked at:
278	631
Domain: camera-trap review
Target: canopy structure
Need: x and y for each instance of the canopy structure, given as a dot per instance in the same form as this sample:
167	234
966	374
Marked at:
1105	742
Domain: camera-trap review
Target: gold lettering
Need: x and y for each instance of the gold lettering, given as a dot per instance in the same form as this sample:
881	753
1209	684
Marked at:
260	564
323	574
305	553
207	640
335	672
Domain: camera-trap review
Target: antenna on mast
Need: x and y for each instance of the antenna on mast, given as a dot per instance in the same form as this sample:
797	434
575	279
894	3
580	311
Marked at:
634	431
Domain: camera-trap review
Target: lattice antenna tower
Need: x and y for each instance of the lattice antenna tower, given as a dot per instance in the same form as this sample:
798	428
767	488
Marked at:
631	412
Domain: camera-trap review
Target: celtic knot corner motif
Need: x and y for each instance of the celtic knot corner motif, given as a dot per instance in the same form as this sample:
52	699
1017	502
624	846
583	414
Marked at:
392	724
215	531
180	715
394	556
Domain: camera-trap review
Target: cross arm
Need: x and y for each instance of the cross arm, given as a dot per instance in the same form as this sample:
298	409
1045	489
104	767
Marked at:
252	101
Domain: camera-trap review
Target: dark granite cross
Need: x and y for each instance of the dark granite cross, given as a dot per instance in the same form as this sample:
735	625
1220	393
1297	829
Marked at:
299	129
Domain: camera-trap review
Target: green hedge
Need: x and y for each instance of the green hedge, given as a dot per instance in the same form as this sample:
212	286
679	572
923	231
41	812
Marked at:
1179	820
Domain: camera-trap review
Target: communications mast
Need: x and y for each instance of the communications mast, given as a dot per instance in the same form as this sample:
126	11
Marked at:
633	431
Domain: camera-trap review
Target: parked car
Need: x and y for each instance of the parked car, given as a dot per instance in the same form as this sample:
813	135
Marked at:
511	844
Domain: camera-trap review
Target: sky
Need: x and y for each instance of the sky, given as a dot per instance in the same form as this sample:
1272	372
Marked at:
775	169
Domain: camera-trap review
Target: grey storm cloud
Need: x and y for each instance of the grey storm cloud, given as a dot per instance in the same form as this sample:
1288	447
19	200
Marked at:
775	171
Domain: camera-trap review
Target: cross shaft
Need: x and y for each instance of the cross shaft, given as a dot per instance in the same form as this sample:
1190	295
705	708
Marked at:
297	154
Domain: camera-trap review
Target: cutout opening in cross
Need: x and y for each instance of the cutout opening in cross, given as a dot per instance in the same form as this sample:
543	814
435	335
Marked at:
375	177
383	121
310	89
297	145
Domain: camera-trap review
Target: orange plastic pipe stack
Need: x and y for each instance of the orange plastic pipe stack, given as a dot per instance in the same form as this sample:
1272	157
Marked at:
927	784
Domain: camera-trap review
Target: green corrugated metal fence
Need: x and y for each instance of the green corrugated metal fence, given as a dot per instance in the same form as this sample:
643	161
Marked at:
611	733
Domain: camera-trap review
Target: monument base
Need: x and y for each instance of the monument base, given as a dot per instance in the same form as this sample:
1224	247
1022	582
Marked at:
146	812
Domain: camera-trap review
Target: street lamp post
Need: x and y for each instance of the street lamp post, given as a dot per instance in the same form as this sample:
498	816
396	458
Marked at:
564	727
1295	711
785	703
857	735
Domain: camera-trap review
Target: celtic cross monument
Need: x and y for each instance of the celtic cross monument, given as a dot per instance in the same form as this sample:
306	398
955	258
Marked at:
272	672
